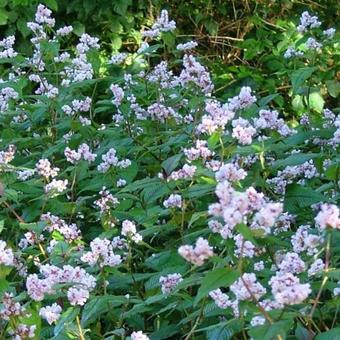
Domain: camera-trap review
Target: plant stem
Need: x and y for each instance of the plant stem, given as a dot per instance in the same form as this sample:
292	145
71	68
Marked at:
81	334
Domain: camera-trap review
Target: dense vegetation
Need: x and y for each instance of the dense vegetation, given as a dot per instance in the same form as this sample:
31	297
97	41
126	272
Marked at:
145	197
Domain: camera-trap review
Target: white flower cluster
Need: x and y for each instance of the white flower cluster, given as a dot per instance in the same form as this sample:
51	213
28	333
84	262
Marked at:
118	58
64	31
80	68
56	186
7	47
291	263
243	131
186	46
329	33
158	111
22	331
195	73
304	240
139	336
77	106
243	100
291	52
118	94
6	255
312	44
44	168
268	119
308	21
129	230
230	172
316	268
45	88
6	94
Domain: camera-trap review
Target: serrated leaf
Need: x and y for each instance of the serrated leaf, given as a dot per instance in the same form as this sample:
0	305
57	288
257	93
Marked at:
298	196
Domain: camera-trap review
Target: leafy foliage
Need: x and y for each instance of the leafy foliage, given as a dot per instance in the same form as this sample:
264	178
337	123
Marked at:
143	197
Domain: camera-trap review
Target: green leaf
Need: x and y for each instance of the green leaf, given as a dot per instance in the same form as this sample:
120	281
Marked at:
266	100
294	159
199	190
220	277
316	101
3	285
100	305
299	76
52	4
269	332
37	227
3	17
298	196
333	334
2	225
246	232
333	87
66	318
196	216
171	163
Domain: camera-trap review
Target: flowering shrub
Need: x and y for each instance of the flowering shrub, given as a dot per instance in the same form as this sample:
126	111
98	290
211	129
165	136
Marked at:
137	204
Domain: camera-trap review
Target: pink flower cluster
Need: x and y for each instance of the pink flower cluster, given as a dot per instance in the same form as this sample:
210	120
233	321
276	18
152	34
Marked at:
106	201
199	151
44	168
197	254
187	172
70	232
162	24
169	282
7	156
81	283
111	160
329	216
51	313
101	253
173	201
83	151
